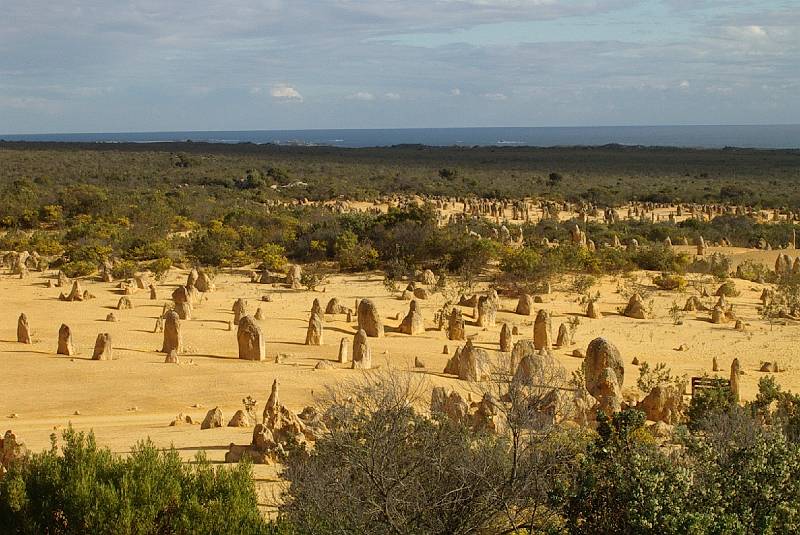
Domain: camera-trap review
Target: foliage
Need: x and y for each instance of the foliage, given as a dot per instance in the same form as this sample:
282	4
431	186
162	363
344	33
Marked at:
665	281
124	269
728	289
626	485
87	489
273	256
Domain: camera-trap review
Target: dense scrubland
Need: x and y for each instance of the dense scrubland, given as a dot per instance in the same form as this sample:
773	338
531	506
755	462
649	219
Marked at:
387	466
218	205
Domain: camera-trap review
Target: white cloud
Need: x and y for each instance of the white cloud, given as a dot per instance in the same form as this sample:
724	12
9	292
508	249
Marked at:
361	95
285	92
456	92
495	96
391	96
684	84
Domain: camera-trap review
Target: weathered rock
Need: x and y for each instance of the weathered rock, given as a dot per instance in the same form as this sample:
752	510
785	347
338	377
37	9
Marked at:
65	346
664	403
184	310
693	303
103	350
204	282
563	339
182	419
240	419
191	279
342	357
470	363
525	305
239	310
413	323
506	340
635	308
315	330
735	372
181	295
252	345
604	373
173	341
418	362
455	325
214	418
75	294
488	416
172	358
142	281
542	330
428	277
535	367
23	330
124	303
335	307
362	355
294	277
487	311
153	293
592	310
422	293
452	406
259	315
111	317
369	320
63	280
718	315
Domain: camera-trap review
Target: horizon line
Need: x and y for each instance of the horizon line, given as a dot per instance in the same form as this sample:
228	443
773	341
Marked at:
404	128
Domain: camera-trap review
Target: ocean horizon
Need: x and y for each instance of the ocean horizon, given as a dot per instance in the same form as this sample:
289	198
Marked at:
693	136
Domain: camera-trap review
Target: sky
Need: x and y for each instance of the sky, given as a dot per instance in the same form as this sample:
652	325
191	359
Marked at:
174	65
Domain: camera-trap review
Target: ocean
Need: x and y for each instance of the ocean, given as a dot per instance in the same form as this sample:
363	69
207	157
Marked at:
750	136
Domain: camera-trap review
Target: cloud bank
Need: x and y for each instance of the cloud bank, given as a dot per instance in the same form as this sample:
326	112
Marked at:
111	65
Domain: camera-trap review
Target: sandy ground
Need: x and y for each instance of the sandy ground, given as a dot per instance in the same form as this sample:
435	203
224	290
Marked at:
137	395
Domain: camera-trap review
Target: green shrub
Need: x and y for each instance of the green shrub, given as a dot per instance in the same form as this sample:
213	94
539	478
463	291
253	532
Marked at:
666	281
124	269
87	489
160	267
273	256
728	289
359	257
78	268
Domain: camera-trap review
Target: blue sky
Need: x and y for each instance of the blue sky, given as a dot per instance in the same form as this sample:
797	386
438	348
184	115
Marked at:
148	65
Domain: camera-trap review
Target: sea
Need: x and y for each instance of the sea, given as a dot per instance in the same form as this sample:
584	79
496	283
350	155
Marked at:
694	136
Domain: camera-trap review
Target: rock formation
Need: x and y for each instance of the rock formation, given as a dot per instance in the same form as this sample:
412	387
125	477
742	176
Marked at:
542	330
604	373
23	330
470	363
369	320
173	340
65	346
635	308
413	323
455	325
362	355
525	305
252	345
103	350
487	311
506	340
314	331
239	310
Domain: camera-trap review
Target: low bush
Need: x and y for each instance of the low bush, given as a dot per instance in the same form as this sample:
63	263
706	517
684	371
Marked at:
84	488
